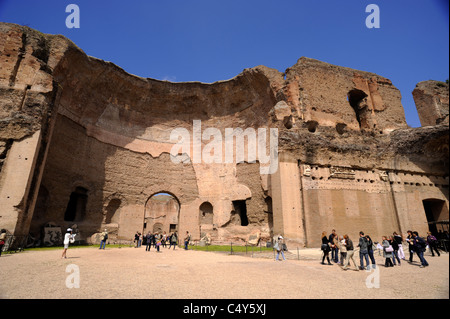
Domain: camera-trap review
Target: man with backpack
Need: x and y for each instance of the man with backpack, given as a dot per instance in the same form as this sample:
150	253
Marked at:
419	245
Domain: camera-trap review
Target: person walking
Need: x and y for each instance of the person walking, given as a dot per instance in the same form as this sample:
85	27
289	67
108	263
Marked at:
187	239
279	247
387	252
399	239
148	245
419	247
326	248
140	240
174	240
395	246
370	251
350	253
136	240
343	250
158	238
68	238
409	239
164	239
363	251
333	239
104	238
432	243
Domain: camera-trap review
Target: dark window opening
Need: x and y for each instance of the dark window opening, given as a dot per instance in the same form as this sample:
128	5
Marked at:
240	207
76	208
355	97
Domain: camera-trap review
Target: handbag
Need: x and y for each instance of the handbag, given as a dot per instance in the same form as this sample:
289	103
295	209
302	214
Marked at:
389	249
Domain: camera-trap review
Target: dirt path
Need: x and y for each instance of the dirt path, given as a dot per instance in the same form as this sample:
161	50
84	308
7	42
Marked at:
135	273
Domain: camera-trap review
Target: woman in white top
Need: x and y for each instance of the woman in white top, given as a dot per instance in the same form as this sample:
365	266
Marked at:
68	238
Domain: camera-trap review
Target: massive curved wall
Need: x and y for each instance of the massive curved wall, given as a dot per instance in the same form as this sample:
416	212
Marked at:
91	141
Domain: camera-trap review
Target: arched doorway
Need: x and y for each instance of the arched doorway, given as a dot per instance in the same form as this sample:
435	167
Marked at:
162	212
435	210
206	213
206	221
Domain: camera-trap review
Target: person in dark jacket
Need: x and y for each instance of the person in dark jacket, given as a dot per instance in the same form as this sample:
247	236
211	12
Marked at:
419	248
363	251
149	241
333	239
350	252
326	247
395	246
432	243
409	239
399	239
370	251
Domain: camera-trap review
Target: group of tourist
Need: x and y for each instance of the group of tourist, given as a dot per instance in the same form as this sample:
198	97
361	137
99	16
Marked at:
342	249
159	239
156	240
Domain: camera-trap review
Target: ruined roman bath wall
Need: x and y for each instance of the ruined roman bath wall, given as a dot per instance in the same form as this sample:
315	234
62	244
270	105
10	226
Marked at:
83	142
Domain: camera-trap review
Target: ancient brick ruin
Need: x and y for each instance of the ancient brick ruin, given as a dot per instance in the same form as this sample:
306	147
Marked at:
83	142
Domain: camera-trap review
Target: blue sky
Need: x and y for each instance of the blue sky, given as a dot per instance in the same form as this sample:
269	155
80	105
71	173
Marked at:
208	40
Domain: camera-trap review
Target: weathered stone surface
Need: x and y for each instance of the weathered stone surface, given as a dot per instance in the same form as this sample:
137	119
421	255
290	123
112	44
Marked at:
84	142
431	98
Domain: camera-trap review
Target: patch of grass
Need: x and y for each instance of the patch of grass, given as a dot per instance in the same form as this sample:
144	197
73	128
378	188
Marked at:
227	248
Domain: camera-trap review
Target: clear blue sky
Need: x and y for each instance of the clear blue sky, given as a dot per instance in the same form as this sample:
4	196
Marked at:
212	40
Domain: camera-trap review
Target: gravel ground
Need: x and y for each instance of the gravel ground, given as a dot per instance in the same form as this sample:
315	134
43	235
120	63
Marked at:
133	273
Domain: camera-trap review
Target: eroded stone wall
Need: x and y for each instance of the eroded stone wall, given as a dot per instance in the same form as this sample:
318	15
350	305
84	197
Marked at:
431	98
87	136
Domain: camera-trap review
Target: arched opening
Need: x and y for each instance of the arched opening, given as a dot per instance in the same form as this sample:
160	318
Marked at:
206	214
162	212
76	207
435	210
357	100
113	211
